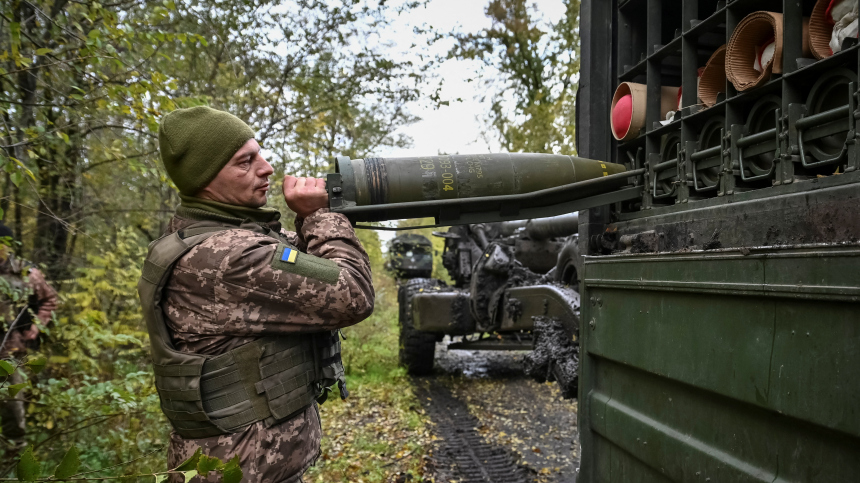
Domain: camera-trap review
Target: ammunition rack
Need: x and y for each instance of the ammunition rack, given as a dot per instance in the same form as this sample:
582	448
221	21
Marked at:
796	127
682	321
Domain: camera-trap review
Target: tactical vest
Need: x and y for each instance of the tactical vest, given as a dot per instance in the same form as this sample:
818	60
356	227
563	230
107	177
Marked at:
269	380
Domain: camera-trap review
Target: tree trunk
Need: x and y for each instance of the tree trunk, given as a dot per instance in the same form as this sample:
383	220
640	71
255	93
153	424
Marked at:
57	188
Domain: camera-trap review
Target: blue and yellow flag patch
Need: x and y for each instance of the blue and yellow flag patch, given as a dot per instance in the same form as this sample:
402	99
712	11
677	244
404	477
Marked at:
289	259
289	255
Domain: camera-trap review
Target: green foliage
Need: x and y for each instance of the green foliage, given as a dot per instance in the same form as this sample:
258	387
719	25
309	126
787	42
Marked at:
202	464
6	368
92	388
539	65
207	464
37	364
99	327
69	465
231	472
371	349
27	467
378	432
83	85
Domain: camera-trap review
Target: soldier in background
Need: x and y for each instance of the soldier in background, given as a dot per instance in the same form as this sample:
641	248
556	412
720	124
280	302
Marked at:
24	294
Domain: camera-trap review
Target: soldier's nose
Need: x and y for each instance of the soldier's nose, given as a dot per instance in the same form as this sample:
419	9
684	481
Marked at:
265	170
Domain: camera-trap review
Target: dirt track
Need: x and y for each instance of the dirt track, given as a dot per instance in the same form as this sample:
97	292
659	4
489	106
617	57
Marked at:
495	425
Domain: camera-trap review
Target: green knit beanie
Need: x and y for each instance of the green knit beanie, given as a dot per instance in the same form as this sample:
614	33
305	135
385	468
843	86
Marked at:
197	142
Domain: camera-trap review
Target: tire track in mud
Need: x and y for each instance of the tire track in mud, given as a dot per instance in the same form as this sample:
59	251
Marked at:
462	454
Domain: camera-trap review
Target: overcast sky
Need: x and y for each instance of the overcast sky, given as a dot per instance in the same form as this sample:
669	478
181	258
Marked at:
454	128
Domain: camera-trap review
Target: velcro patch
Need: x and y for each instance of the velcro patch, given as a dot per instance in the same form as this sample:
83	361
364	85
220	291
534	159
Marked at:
289	259
289	255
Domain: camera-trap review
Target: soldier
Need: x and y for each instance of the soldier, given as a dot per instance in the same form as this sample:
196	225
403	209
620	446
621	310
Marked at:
242	315
25	284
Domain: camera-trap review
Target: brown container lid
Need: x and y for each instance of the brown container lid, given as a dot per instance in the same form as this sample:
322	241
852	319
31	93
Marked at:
713	79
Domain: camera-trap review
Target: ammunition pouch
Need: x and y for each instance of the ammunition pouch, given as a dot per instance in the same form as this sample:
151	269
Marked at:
269	380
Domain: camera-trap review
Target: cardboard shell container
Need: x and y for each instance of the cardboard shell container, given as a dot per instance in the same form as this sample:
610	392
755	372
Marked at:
627	114
753	31
820	30
713	79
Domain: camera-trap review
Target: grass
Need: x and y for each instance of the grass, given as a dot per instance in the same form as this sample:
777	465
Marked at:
380	433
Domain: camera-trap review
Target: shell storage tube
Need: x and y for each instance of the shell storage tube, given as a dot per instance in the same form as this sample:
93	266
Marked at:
669	99
748	41
755	29
820	30
627	112
823	27
713	79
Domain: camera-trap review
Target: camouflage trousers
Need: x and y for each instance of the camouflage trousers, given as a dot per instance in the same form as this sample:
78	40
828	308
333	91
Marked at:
279	454
13	415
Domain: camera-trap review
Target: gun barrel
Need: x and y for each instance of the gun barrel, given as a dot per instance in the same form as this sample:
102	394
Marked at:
378	181
508	228
553	227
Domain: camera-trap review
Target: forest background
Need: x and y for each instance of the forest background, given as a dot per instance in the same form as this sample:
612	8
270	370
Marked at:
83	85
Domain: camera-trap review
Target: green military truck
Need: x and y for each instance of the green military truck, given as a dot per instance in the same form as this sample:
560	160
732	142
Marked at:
718	337
410	256
721	307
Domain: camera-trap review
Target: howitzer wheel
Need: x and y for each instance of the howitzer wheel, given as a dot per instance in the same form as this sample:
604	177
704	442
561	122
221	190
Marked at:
417	348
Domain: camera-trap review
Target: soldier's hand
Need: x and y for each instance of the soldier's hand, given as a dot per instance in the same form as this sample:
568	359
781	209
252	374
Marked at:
305	195
32	333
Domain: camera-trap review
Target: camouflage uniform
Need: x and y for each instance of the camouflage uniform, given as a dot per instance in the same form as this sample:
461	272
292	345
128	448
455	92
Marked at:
42	300
224	293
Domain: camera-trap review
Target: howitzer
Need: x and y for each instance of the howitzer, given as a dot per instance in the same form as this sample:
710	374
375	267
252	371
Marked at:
489	261
514	282
465	189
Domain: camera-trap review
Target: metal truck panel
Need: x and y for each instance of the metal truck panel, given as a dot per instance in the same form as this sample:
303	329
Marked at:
738	365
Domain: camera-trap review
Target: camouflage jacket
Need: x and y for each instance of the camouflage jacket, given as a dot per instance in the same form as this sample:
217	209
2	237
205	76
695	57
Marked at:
39	296
225	292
